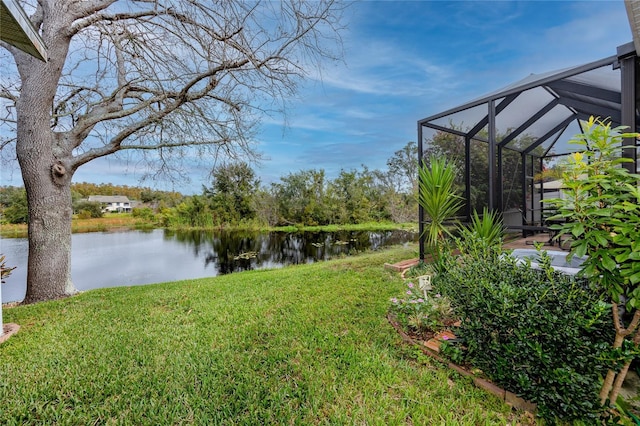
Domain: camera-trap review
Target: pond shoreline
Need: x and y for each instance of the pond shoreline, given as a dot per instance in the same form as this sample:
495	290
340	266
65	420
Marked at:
125	222
138	257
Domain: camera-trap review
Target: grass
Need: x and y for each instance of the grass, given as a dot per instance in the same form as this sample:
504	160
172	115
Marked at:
307	344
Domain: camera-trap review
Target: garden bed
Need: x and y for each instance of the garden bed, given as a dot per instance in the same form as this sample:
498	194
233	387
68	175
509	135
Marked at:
8	330
431	350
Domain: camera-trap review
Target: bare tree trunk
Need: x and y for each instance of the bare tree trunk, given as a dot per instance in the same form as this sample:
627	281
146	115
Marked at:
50	210
611	374
45	164
49	262
613	382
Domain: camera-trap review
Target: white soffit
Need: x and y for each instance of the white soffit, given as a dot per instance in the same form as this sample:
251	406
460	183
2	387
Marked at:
16	29
633	12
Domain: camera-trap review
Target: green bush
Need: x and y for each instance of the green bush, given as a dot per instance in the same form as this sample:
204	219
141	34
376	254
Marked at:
84	214
193	212
88	209
16	210
540	334
144	213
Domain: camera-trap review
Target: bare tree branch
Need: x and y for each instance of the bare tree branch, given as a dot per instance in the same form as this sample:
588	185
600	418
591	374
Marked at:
5	143
83	23
4	93
192	63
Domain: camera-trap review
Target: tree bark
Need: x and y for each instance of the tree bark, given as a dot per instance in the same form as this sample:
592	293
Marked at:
49	202
611	374
617	384
44	160
613	381
49	262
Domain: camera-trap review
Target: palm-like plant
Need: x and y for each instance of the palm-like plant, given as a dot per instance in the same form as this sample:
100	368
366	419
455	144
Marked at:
488	227
483	236
437	196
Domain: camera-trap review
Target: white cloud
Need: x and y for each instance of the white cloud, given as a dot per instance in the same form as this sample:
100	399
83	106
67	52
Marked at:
379	67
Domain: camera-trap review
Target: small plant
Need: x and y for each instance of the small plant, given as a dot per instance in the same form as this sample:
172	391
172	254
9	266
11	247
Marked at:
601	210
487	228
452	351
422	313
5	270
437	197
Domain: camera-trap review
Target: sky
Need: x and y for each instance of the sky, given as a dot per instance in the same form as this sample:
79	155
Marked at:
404	61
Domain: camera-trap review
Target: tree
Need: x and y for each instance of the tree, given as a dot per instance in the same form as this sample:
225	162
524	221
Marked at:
88	209
171	79
399	184
232	191
16	210
265	204
355	198
302	199
601	209
403	168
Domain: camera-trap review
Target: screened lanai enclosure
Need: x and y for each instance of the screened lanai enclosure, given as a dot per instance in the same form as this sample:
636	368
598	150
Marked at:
508	142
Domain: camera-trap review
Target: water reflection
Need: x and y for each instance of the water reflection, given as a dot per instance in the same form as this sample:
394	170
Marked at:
234	251
109	259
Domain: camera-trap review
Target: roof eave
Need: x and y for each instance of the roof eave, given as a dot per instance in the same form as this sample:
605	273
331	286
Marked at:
633	13
17	30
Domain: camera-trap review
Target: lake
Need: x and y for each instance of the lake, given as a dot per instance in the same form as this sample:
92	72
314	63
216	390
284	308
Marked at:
111	259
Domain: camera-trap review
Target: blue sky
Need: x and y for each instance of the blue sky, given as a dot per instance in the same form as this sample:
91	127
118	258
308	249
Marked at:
409	60
406	60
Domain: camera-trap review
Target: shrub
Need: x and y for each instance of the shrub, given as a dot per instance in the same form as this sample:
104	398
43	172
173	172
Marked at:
538	333
84	214
16	210
144	213
88	209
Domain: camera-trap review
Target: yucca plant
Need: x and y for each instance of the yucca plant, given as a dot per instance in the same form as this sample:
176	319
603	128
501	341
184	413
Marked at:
488	228
438	198
483	236
5	271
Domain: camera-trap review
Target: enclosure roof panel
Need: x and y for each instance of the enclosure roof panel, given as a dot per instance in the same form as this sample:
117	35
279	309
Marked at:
540	106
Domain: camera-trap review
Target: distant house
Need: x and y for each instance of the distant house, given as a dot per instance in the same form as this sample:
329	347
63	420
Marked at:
112	203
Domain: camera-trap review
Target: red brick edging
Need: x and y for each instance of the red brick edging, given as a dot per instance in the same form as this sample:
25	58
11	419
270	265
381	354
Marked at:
9	330
510	398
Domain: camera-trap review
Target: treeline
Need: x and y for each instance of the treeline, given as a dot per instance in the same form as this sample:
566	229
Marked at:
146	195
306	197
236	196
13	199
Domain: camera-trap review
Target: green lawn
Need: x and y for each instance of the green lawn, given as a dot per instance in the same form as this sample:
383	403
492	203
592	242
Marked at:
300	345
